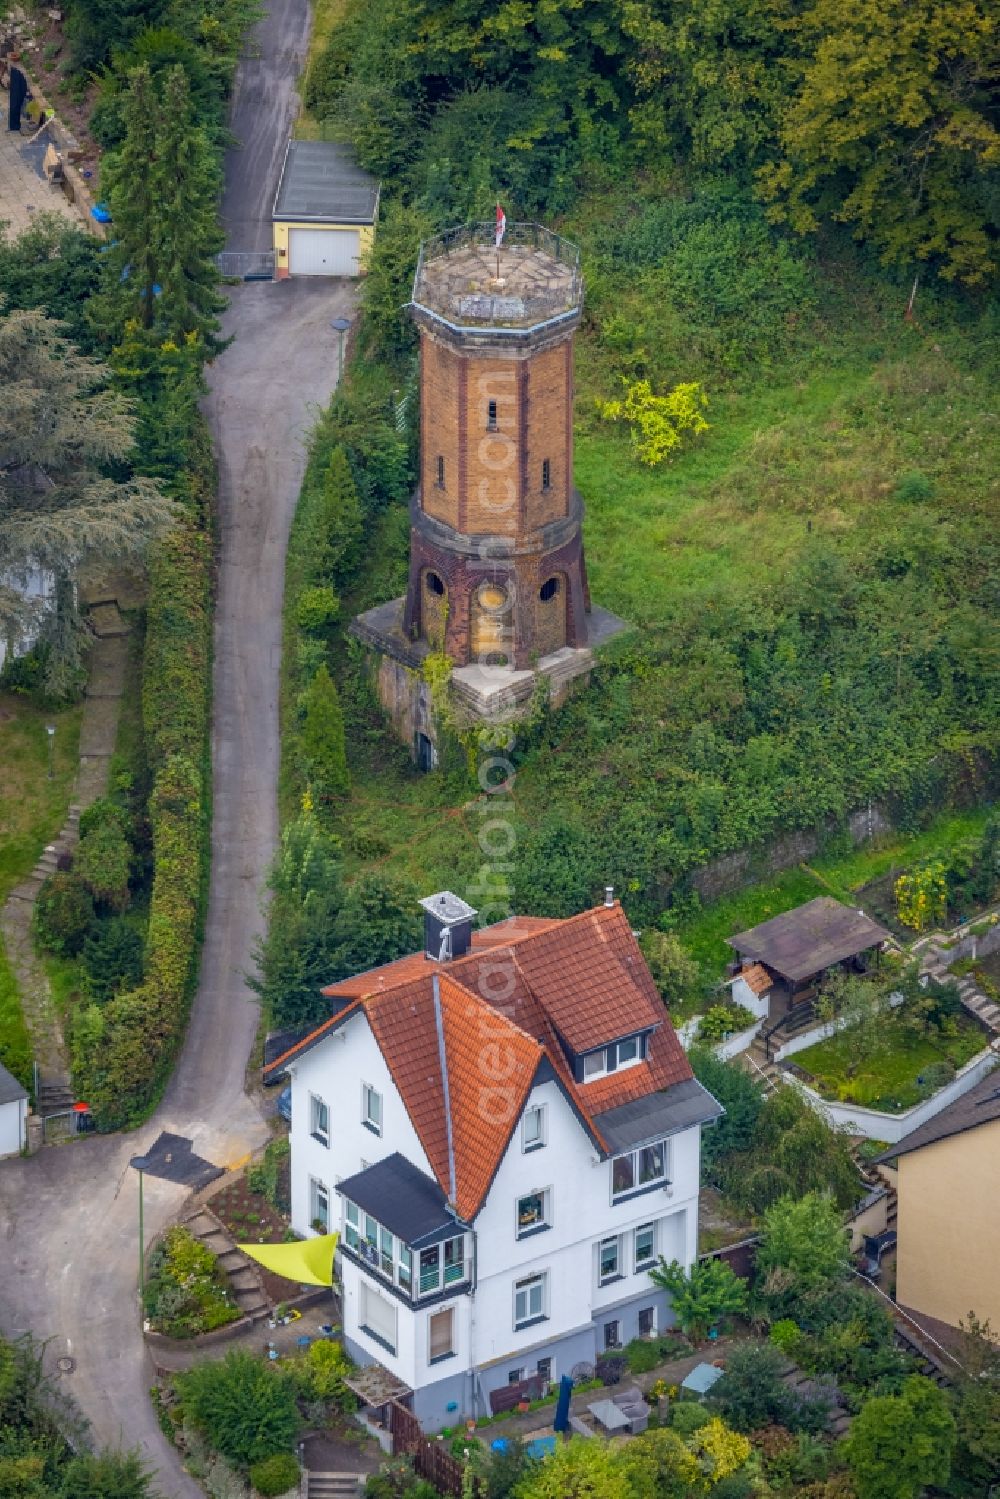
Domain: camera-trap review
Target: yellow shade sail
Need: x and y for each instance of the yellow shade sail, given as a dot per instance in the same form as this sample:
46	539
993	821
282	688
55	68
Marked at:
309	1262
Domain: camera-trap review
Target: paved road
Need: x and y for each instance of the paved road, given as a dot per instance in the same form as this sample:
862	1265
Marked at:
68	1217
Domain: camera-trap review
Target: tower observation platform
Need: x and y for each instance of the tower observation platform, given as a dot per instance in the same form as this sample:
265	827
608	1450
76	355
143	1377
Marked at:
498	579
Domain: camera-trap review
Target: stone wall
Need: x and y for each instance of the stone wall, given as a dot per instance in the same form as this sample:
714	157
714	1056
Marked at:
745	865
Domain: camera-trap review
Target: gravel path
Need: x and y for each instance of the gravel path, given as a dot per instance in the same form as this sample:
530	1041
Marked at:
68	1216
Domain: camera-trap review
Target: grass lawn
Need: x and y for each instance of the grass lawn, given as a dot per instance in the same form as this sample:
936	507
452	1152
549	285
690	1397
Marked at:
888	1081
32	811
32	807
841	875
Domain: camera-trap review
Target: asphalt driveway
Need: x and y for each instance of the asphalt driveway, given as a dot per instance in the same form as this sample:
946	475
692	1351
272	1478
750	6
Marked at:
68	1216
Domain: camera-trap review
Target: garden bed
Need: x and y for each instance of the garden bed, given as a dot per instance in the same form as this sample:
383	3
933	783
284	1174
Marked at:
252	1219
908	1070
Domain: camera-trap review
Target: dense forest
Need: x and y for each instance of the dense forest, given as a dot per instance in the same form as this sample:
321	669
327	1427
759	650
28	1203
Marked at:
797	208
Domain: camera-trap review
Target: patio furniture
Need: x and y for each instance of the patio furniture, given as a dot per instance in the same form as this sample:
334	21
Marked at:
579	1428
632	1405
607	1414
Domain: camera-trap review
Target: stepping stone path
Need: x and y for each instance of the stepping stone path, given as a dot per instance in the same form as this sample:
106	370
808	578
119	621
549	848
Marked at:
934	961
98	733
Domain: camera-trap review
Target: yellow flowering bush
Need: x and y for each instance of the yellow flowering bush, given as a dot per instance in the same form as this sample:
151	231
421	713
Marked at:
720	1450
658	423
922	897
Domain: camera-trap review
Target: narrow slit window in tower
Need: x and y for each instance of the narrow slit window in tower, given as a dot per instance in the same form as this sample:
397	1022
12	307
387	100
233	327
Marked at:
491	417
546	474
440	472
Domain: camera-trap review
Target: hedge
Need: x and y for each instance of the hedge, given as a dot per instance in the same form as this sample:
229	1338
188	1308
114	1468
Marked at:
122	1052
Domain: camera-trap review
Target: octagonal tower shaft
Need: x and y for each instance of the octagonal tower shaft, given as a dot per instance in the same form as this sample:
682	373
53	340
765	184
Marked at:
497	574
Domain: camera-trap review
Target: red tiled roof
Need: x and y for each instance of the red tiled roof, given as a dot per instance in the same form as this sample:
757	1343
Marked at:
757	976
502	1005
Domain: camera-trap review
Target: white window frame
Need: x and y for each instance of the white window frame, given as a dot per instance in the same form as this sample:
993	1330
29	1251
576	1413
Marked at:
595	1063
640	1228
318	1109
538	1110
524	1288
439	1358
549	1378
635	1156
617	1273
524	1231
319	1193
367	1118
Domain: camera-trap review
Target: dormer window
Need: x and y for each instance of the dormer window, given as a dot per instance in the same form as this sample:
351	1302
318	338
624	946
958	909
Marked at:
613	1058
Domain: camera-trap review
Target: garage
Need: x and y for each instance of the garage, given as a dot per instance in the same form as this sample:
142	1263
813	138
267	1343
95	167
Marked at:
324	212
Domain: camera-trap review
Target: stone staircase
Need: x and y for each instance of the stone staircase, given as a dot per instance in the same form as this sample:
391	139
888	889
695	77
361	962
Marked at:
934	962
331	1485
247	1286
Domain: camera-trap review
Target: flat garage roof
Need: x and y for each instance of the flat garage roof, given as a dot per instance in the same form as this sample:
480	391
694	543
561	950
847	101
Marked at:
321	182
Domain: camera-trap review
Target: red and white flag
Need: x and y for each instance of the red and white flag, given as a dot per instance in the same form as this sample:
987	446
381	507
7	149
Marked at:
501	225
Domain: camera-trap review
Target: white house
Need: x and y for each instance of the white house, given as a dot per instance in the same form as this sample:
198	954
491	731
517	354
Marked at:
13	1114
506	1131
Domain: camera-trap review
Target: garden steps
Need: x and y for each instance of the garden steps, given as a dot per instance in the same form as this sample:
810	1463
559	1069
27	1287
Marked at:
242	1273
934	963
331	1485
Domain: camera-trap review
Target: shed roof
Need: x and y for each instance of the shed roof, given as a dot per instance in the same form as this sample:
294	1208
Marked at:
809	939
320	181
11	1090
981	1105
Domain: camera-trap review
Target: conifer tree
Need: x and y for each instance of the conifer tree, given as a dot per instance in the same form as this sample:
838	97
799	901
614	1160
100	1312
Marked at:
186	184
323	754
341	517
129	179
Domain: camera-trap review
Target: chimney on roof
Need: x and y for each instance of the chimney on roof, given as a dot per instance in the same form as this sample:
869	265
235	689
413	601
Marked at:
447	926
609	895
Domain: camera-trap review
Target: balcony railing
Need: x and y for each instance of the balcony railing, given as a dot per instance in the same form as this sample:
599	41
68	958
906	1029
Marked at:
436	289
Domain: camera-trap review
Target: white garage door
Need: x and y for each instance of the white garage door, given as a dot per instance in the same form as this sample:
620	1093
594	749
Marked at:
323	252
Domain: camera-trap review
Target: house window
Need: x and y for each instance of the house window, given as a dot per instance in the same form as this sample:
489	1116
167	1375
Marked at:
404	1267
491	417
319	1120
352	1223
514	1376
441	1335
645	1246
647	1321
546	474
387	1261
639	1169
319	1206
532	1213
612	1058
544	1370
378	1317
371	1109
533	1128
609	1255
529	1300
440	472
612	1335
442	1265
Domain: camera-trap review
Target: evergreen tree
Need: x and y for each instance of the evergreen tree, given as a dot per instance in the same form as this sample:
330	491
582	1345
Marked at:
341	520
66	441
187	183
129	178
324	758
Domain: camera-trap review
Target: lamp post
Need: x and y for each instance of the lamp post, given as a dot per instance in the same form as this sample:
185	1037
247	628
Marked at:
340	325
50	730
139	1163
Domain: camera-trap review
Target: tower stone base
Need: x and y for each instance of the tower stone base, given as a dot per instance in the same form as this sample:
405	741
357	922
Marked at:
478	694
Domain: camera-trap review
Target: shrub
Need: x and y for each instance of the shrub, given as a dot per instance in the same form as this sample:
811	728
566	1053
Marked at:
275	1475
643	1355
688	1416
702	1294
326	1364
914	488
901	1444
104	813
112	958
723	1020
104	862
244	1408
752	1393
657	423
64	914
317	609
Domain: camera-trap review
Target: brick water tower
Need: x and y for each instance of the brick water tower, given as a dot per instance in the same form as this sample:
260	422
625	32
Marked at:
497	574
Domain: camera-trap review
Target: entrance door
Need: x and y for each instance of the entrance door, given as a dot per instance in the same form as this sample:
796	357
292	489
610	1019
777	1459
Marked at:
424	752
323	252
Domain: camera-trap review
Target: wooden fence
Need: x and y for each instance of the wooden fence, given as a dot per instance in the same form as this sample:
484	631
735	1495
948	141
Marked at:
431	1459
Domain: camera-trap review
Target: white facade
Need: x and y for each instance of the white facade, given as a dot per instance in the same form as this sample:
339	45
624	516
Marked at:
13	1126
529	1297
